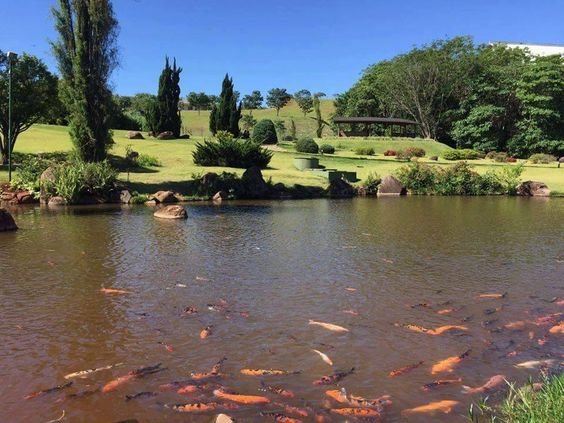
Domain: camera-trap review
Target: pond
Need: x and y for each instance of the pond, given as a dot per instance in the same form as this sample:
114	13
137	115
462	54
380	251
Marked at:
257	273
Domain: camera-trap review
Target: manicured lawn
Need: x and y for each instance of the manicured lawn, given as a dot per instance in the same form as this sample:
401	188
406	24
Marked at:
177	165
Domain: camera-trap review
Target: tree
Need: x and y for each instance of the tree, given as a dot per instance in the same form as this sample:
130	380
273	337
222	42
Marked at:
226	114
277	98
34	96
253	101
280	126
318	118
165	114
86	52
248	122
198	101
304	100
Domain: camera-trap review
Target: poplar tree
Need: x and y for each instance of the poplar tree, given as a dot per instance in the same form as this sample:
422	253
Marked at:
86	52
165	115
226	115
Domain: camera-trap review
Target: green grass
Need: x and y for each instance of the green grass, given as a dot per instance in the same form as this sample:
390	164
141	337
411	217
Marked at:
177	166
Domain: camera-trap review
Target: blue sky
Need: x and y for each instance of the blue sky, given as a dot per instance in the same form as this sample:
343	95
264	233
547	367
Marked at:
294	44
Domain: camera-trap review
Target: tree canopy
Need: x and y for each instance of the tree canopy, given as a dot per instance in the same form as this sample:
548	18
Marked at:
304	99
165	114
226	114
277	98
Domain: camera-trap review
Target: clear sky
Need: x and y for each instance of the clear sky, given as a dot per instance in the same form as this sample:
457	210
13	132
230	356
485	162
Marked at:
321	45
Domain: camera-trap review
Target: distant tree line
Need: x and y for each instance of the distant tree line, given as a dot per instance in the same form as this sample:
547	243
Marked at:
485	97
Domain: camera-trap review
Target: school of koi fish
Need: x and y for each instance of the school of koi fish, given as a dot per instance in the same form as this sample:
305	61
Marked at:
211	392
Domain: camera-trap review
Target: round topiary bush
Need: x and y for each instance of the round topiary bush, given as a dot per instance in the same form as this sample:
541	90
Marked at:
327	149
307	145
264	132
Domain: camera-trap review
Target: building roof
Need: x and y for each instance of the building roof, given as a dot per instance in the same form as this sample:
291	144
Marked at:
361	119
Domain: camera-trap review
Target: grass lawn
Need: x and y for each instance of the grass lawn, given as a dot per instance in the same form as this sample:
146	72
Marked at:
177	165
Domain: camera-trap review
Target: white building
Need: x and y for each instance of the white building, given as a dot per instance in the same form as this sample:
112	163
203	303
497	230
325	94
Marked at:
536	49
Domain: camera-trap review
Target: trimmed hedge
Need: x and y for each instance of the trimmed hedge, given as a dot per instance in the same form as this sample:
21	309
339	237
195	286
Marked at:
307	145
327	149
365	151
540	158
463	154
264	132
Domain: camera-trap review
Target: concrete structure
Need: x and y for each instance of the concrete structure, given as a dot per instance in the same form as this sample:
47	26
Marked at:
536	49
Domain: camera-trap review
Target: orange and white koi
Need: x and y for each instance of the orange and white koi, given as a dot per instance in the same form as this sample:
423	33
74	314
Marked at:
518	325
444	406
267	372
493	383
356	412
194	407
114	291
557	330
285	393
328	326
438	383
404	370
438	331
493	296
240	398
448	364
324	357
334	378
280	417
84	373
207	331
351	312
48	391
134	374
446	311
540	364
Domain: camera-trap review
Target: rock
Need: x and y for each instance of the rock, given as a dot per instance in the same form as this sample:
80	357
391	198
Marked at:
25	197
164	197
339	188
171	212
7	222
134	135
57	201
533	189
8	196
46	182
125	196
362	191
219	196
223	418
253	183
167	135
391	186
151	203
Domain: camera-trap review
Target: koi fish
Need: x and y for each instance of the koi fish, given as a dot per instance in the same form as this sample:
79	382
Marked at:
548	319
557	330
216	368
444	406
167	347
424	305
290	409
493	296
338	395
350	289
240	398
377	403
404	370
446	311
207	331
194	407
447	365
280	417
82	394
114	291
334	378
134	374
351	312
324	357
190	310
173	385
190	389
437	383
536	364
285	393
267	372
492	384
356	412
47	391
83	373
140	395
518	325
438	331
328	326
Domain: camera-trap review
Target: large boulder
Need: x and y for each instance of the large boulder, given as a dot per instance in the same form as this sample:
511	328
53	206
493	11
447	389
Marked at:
25	197
47	181
8	196
223	418
135	135
164	197
339	188
171	212
7	222
57	201
253	183
391	186
533	189
220	196
167	135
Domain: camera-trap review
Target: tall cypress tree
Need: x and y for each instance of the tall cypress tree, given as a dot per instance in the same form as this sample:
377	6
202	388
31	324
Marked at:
165	115
87	54
226	116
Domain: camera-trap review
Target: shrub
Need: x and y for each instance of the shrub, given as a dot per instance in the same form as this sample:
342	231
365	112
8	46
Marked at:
509	178
371	183
265	132
307	145
511	159
29	172
497	156
464	154
388	153
327	149
145	160
409	152
458	179
417	178
540	158
230	152
68	182
364	151
288	138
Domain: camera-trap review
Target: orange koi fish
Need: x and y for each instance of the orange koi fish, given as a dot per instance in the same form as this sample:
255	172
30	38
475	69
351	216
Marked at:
341	397
493	296
338	395
207	331
240	398
267	372
435	384
493	383
134	374
328	326
446	311
438	331
404	370
518	325
190	389
47	391
444	406
290	409
332	379
448	364
285	393
114	291
280	417
557	330
194	407
356	412
324	357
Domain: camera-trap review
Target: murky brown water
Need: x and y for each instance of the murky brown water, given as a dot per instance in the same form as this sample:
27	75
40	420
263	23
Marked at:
283	263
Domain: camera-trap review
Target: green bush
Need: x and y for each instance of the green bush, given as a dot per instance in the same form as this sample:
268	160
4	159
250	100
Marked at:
497	156
29	172
417	178
264	132
364	151
327	149
371	183
464	154
307	145
409	152
145	160
230	152
540	158
77	178
460	179
288	138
